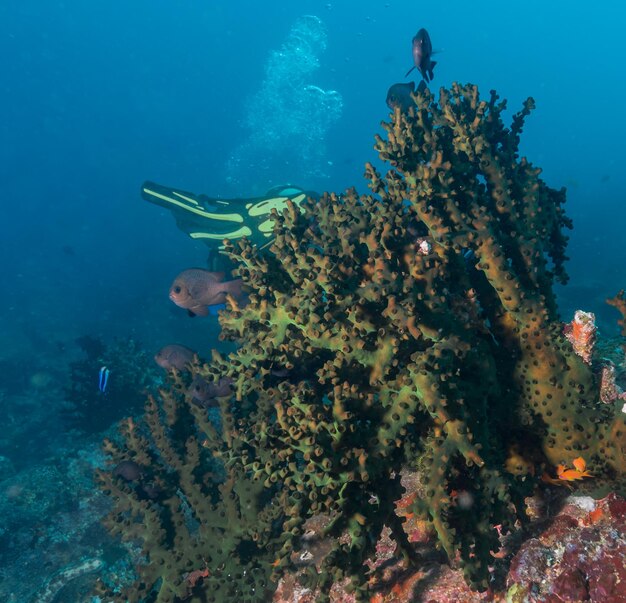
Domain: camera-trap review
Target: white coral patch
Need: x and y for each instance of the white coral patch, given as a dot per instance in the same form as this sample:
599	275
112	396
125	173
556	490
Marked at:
586	503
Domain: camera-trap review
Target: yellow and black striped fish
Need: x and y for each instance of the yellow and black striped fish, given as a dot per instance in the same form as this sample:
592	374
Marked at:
212	220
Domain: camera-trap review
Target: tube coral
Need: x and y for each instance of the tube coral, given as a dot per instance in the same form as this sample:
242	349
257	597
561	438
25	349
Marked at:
414	327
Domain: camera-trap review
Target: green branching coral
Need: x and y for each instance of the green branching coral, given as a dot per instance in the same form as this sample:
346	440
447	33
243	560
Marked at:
204	526
459	167
418	323
415	327
389	361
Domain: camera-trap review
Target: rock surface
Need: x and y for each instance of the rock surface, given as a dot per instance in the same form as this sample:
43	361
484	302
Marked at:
575	554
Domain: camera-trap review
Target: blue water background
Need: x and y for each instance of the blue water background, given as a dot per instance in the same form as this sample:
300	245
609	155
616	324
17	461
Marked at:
97	96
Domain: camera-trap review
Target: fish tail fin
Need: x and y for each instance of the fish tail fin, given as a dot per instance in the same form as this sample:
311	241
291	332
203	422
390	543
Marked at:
409	71
430	69
234	287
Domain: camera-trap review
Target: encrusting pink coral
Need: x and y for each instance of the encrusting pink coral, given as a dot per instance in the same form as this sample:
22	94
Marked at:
581	333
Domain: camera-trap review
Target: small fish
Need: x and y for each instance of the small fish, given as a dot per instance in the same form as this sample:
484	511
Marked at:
578	472
280	372
196	289
174	356
128	470
469	255
566	475
151	491
399	95
204	392
422	53
104	379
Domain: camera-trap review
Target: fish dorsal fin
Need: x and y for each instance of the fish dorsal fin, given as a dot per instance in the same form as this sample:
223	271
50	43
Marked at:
216	277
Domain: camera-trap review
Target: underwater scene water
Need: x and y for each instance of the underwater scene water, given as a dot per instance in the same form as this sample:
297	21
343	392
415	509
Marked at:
296	309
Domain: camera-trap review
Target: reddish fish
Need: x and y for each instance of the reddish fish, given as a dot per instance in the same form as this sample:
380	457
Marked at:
174	357
197	289
129	470
204	392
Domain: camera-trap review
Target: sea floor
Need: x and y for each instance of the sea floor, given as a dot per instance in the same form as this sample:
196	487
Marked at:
53	547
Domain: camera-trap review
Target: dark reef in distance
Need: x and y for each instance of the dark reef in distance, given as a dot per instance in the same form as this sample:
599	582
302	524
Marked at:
371	348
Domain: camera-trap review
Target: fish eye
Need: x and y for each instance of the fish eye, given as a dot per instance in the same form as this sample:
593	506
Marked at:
177	289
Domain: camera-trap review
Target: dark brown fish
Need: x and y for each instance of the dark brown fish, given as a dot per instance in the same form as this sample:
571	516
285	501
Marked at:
151	491
399	95
174	356
280	372
197	289
128	470
204	392
422	53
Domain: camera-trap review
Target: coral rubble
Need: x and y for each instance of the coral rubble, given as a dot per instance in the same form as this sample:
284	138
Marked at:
412	328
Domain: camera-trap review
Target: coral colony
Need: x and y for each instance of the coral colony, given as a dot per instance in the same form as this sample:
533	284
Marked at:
408	333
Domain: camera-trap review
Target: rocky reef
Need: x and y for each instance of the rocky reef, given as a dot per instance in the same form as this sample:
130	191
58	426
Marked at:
411	329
